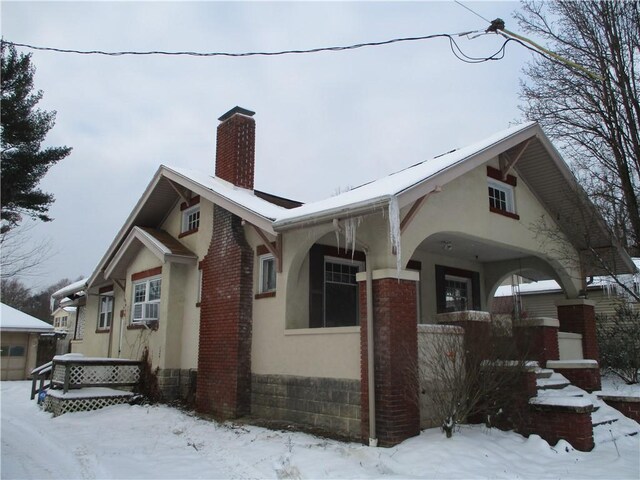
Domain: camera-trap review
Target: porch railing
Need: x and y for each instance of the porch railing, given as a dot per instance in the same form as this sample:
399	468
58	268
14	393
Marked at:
71	371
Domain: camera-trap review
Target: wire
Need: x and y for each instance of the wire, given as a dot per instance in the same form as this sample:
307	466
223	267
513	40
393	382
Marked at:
472	11
250	54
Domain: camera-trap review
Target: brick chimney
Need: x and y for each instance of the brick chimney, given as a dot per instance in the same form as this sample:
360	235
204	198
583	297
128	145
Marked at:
235	147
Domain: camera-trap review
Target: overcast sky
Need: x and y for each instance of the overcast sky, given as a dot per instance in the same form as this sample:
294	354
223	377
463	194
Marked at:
325	121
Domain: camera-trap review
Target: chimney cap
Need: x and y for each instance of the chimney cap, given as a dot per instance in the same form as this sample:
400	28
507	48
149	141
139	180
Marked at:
234	110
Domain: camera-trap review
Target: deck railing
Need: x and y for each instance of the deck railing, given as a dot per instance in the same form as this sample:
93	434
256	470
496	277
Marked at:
70	371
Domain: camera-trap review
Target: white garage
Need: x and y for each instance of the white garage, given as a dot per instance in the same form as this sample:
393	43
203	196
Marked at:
19	335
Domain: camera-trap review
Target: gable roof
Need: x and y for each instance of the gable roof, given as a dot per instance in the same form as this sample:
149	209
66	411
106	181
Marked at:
539	165
159	242
12	320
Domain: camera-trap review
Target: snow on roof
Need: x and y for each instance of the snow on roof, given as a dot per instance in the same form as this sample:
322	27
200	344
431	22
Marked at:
386	187
240	196
377	191
16	321
70	289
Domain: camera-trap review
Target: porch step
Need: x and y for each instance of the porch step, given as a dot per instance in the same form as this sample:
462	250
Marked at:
554	381
544	372
598	420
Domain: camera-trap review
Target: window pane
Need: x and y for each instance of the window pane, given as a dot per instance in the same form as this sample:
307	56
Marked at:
268	275
16	351
137	311
4	351
140	291
341	305
456	295
154	290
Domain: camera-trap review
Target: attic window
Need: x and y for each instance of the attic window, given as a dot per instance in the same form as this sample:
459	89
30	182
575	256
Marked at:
190	219
501	193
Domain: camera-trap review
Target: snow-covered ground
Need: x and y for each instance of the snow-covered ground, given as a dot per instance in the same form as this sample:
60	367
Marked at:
160	442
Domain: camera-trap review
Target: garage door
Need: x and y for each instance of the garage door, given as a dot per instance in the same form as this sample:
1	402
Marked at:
14	360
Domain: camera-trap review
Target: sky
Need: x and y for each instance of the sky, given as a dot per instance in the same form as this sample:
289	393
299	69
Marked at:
324	122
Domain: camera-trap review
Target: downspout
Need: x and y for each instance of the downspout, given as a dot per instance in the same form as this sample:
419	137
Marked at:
373	439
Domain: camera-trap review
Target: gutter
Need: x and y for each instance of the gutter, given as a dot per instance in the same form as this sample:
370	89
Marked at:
362	207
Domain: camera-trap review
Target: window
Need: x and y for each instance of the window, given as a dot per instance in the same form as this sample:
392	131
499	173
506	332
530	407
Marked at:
105	314
12	351
457	290
191	219
146	300
457	293
333	290
267	274
340	292
501	196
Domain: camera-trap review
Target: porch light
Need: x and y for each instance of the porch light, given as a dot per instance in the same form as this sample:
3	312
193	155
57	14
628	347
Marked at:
447	245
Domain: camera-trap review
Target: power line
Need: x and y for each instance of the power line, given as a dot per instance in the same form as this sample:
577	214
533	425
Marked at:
454	46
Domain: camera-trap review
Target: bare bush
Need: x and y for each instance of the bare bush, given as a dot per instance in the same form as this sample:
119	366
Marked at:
471	376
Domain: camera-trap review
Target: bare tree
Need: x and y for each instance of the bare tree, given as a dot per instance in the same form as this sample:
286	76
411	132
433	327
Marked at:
594	115
18	256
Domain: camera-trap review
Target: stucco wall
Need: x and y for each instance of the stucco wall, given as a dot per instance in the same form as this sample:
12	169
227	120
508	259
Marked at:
278	350
463	208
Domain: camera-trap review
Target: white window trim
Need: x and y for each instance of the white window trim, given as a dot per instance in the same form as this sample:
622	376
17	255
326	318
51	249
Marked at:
185	219
343	261
261	261
146	281
106	324
510	197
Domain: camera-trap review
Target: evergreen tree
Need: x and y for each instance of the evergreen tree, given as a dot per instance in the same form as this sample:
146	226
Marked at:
24	128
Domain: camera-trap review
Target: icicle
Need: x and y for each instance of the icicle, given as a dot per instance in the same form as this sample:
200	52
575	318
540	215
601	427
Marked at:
337	231
350	228
394	231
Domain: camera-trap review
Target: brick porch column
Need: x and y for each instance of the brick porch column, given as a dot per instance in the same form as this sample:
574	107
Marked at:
395	355
538	338
579	316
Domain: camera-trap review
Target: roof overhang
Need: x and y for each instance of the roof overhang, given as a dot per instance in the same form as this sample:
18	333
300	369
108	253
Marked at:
137	239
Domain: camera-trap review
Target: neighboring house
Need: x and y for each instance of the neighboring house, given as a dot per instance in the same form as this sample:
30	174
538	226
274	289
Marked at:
538	299
19	335
262	305
64	324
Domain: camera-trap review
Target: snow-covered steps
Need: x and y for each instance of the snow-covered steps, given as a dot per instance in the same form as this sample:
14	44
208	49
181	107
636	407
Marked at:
544	372
91	398
555	380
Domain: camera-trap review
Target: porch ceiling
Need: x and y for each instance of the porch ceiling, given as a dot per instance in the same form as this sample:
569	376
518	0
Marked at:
475	250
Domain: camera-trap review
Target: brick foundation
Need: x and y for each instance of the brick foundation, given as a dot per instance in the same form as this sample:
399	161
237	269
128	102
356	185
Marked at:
224	353
396	361
579	316
177	384
330	404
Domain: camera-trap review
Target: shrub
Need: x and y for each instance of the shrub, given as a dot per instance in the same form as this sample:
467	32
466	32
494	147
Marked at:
619	342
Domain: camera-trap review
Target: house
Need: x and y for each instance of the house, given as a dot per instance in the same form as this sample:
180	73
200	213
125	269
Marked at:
69	302
263	306
64	324
20	333
538	299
